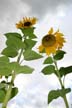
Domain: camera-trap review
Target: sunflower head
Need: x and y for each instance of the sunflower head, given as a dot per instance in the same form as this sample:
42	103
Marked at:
26	22
52	42
48	40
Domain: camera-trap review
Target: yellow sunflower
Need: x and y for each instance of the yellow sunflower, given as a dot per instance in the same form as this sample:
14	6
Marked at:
26	22
52	42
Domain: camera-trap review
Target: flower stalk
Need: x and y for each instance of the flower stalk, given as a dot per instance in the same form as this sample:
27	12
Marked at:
8	94
62	85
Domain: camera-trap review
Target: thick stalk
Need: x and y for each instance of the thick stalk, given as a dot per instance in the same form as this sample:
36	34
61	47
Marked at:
8	94
62	86
18	60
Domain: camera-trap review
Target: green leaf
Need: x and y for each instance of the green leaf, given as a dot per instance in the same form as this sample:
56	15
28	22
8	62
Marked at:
2	85
14	92
5	71
20	69
48	70
65	70
15	43
29	32
31	55
4	61
29	43
48	60
59	55
11	35
14	66
14	40
25	70
9	52
2	95
54	94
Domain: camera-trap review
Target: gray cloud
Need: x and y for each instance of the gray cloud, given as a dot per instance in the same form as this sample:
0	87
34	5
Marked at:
12	11
16	8
6	6
40	7
12	8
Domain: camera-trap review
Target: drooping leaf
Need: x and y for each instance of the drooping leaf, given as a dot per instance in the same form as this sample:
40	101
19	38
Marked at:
14	92
20	69
2	95
29	32
48	60
59	55
31	55
29	43
48	70
13	34
65	70
9	52
54	94
25	70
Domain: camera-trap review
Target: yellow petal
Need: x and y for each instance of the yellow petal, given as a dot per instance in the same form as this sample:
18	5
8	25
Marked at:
34	20
47	51
50	50
40	48
59	34
50	31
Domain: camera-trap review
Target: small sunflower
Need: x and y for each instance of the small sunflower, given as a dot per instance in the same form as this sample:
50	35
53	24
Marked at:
52	42
26	22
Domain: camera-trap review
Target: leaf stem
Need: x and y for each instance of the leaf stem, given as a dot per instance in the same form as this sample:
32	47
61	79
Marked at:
8	94
62	85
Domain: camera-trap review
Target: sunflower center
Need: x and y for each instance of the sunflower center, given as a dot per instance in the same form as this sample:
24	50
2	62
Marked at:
27	23
48	40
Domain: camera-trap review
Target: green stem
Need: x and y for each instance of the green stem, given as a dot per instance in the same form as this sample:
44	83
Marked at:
8	94
18	60
62	86
66	102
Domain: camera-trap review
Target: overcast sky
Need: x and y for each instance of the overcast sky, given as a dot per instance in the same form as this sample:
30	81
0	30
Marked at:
34	88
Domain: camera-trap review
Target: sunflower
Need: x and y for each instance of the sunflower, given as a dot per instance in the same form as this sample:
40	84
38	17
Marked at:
26	22
52	42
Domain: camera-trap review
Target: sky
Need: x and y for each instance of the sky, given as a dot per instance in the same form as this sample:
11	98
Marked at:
34	88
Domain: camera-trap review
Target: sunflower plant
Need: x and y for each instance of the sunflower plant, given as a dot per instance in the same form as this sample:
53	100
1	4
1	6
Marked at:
51	45
19	47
